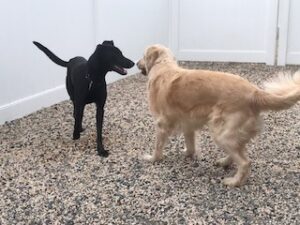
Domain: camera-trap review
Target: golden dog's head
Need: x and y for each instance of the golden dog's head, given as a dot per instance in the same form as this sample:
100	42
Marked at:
153	55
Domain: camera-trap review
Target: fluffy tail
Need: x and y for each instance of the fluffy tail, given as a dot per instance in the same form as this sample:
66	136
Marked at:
279	93
51	55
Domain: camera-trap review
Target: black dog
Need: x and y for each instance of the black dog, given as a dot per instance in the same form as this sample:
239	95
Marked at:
86	83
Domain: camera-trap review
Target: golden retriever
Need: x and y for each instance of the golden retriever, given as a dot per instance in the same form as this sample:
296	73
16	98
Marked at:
185	100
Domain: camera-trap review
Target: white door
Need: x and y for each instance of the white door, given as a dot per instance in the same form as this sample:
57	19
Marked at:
224	30
289	32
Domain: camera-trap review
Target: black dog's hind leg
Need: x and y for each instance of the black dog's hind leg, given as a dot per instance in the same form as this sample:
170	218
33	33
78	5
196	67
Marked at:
78	114
99	118
81	129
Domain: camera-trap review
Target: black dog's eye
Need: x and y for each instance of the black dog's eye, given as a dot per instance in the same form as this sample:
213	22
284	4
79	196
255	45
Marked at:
118	52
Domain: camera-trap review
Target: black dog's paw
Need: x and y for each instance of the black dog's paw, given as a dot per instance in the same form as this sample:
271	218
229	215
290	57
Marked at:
103	153
76	136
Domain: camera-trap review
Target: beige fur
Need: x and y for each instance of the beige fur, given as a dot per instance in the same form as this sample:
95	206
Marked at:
185	100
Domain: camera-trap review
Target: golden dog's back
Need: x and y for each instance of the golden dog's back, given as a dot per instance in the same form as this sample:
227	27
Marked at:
174	90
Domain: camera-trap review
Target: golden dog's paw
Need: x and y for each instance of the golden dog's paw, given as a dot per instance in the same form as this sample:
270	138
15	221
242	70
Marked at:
188	154
151	158
223	162
231	182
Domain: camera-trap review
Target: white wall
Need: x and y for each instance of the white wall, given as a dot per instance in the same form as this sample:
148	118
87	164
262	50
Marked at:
132	24
231	30
28	79
206	30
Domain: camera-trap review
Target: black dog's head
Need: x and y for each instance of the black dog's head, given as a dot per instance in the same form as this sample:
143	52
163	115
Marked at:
107	57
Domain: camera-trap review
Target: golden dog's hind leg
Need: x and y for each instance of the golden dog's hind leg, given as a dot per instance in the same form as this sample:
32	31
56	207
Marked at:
235	148
232	136
243	168
161	138
189	137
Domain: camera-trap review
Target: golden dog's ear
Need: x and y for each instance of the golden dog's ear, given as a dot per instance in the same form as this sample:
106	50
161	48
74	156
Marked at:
151	57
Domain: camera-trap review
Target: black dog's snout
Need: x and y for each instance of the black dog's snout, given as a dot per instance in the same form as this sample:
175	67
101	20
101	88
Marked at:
129	64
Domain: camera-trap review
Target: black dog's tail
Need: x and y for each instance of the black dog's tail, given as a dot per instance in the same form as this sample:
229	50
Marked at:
51	55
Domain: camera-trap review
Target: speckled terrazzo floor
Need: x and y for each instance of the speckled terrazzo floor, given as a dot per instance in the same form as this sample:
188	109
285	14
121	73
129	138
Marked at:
46	178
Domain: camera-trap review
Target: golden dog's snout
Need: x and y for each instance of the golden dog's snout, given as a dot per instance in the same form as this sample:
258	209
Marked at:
138	64
141	66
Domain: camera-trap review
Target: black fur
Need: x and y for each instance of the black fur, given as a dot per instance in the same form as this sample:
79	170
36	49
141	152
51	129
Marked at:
85	82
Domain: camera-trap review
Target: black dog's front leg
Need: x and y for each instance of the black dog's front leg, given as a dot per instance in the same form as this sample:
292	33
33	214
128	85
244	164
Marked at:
99	118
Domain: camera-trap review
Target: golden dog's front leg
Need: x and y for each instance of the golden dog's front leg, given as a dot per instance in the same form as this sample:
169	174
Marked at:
161	138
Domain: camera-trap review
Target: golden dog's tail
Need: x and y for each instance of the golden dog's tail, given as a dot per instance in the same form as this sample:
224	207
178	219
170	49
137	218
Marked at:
279	93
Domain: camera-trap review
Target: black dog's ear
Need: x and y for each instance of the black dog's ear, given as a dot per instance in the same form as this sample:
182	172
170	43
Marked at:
109	43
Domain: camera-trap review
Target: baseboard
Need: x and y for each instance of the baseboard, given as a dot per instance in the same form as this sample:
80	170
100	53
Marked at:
222	56
293	58
30	104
